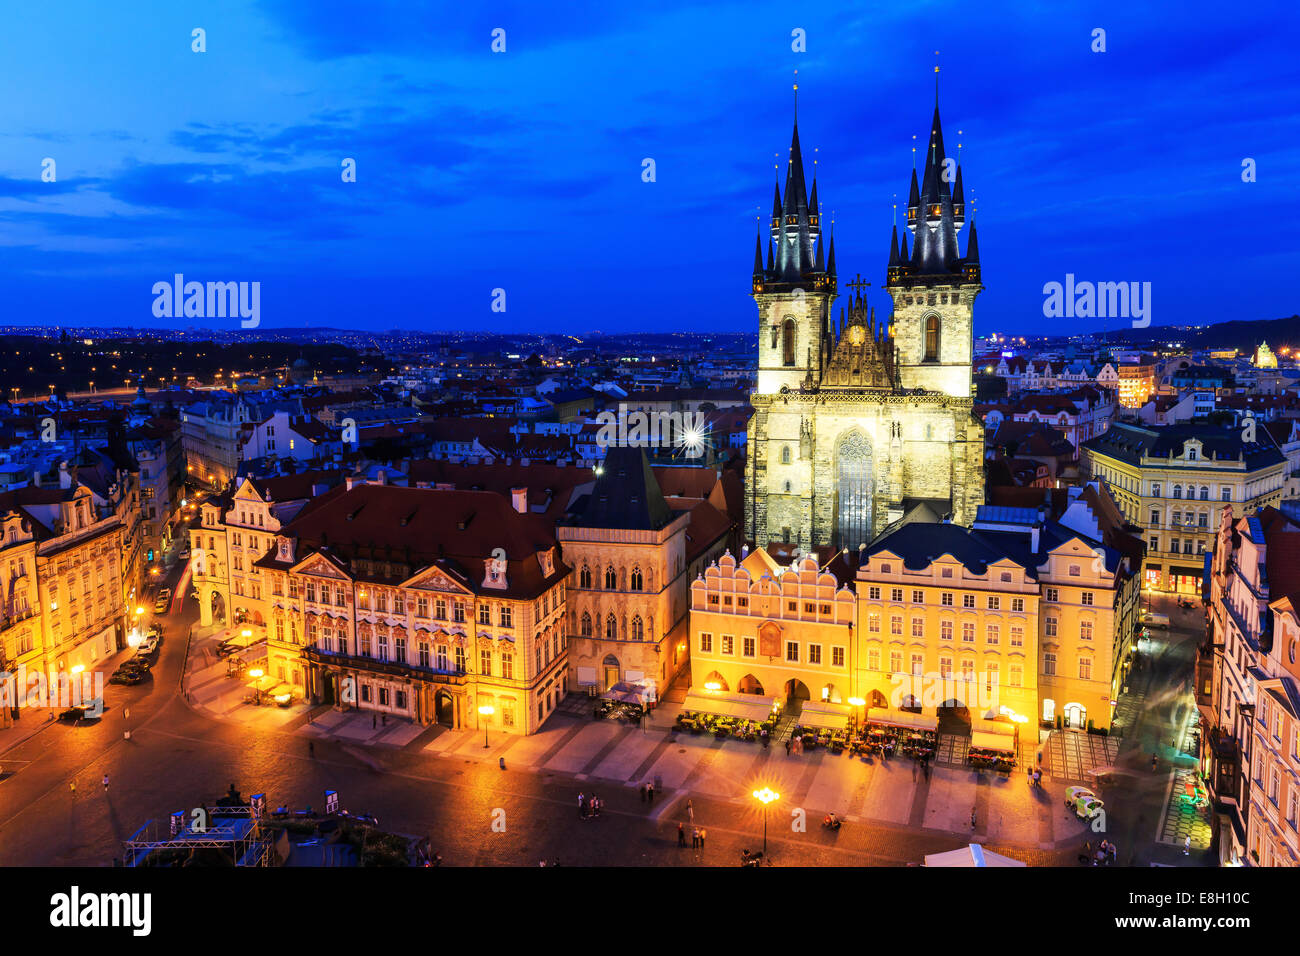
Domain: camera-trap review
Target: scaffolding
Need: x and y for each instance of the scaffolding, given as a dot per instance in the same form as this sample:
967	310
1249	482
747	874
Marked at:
235	832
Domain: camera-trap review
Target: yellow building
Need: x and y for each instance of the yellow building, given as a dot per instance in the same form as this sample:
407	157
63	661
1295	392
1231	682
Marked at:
21	624
1137	382
772	631
1171	480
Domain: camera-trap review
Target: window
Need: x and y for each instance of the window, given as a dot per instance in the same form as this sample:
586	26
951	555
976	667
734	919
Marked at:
896	624
638	629
1178	491
968	632
787	342
611	629
945	630
1049	663
896	661
611	579
636	579
873	622
485	663
993	633
458	612
706	643
837	657
1085	630
873	658
945	572
1052	595
747	647
728	644
1074	570
1049	627
1015	675
785	454
1205	492
918	664
896	594
932	339
1085	668
1017	636
1155	489
484	614
918	627
584	626
792	651
918	597
1086	598
507	616
508	666
873	593
946	599
945	666
995	603
584	577
968	600
1227	493
814	653
1017	604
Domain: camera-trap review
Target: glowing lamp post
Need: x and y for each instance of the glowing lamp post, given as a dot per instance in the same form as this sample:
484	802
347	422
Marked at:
256	673
859	702
486	711
765	796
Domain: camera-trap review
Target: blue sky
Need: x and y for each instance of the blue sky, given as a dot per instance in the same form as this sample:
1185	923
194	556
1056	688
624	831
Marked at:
522	170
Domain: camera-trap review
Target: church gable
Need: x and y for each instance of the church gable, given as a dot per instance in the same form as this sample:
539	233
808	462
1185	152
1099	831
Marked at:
435	579
318	565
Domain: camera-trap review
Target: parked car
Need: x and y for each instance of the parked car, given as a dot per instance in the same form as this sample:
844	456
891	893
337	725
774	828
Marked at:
148	646
1155	619
128	675
164	600
1073	794
155	630
77	712
1085	808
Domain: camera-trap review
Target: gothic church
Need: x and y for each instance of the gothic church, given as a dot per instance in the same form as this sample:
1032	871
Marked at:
857	422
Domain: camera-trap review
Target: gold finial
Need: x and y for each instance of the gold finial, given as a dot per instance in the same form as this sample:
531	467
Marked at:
936	78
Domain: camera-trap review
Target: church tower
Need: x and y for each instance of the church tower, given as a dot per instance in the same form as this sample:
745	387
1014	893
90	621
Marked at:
934	288
796	289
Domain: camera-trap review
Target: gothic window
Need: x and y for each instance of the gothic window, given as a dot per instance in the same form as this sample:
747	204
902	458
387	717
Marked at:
785	454
636	579
585	627
584	579
932	338
611	582
787	342
853	473
611	628
638	629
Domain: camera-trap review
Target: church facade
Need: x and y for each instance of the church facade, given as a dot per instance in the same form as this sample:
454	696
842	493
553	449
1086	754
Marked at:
857	421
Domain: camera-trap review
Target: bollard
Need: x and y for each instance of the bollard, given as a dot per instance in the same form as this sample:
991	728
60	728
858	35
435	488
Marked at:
501	762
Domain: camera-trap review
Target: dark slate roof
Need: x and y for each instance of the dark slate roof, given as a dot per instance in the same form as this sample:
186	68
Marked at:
1128	443
919	544
625	495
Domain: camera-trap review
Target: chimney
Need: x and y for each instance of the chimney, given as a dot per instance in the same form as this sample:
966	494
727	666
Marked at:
36	478
65	479
519	499
1033	539
351	482
383	477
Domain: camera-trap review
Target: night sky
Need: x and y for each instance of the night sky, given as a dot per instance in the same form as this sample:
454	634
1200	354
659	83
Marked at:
522	170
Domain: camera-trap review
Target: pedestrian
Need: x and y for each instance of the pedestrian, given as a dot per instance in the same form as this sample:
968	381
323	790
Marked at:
373	720
695	838
681	835
311	748
690	811
787	747
582	804
72	785
1155	760
703	834
650	791
1187	846
972	818
106	783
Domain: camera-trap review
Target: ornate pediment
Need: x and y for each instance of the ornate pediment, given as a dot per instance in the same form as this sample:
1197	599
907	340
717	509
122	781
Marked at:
318	565
435	579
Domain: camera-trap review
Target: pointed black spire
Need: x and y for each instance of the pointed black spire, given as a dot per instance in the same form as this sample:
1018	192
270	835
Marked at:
902	249
913	203
758	254
958	202
771	265
830	256
972	245
893	247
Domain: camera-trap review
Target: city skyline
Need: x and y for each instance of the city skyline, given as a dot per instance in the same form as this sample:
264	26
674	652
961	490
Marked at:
523	170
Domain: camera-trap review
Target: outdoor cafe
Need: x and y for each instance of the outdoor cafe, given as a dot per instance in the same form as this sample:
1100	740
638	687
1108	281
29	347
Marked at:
743	716
993	745
887	730
622	701
826	724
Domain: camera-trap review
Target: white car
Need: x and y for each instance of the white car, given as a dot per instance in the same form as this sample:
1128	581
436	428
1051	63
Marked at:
1073	795
147	646
1085	808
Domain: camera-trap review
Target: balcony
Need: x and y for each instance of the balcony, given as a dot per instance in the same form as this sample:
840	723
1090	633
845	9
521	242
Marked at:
317	655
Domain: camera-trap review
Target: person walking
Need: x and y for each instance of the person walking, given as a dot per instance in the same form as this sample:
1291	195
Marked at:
690	811
650	792
1187	846
1155	761
681	835
972	818
703	833
695	838
788	743
311	748
106	783
582	804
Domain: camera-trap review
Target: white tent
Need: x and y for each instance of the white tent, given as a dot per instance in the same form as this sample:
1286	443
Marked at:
973	855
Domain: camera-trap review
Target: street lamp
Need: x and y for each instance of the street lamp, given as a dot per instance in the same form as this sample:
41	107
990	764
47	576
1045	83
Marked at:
765	796
256	673
486	711
859	702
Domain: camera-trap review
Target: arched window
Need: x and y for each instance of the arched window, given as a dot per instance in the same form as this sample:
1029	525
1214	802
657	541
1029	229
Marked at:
611	581
636	579
787	342
638	629
1205	493
1178	491
584	579
932	338
585	626
611	628
785	454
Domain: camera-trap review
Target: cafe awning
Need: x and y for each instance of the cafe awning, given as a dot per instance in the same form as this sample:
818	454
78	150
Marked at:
901	718
745	706
983	740
824	714
241	640
625	693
